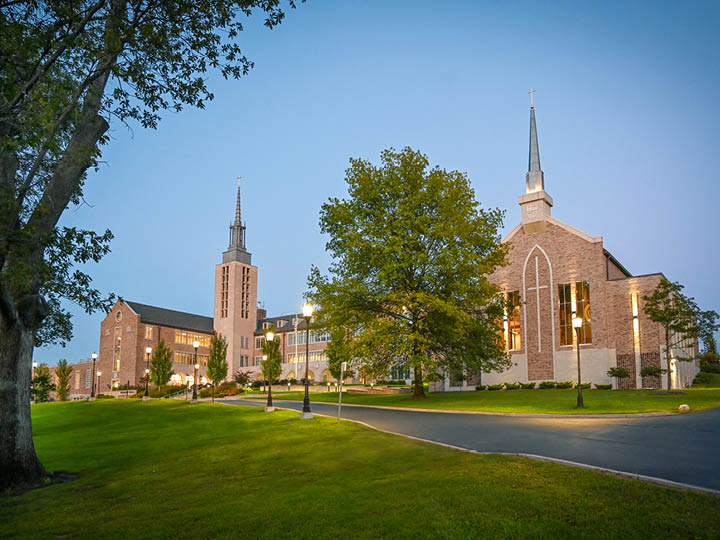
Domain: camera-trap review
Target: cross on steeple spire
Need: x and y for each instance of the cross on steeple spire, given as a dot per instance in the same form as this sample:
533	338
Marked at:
531	92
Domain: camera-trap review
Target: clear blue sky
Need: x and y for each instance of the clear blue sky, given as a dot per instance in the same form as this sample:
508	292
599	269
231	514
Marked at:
628	111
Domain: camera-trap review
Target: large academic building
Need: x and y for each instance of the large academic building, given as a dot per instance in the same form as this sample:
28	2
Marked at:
555	273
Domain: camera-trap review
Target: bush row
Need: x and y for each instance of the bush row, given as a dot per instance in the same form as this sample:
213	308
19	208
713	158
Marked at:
545	385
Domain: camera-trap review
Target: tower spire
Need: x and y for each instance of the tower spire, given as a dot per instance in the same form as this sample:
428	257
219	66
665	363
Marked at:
236	251
238	211
534	179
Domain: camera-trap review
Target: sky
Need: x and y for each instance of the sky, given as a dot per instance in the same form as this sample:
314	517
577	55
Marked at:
627	107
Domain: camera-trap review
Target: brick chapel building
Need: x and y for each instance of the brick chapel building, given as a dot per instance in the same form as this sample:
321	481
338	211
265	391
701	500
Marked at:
556	271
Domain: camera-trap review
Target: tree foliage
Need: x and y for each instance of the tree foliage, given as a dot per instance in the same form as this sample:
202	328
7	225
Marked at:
680	317
161	365
337	352
63	372
271	367
217	367
42	384
411	254
241	377
68	68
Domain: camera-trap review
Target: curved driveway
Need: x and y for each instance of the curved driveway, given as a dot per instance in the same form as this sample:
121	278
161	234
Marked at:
681	448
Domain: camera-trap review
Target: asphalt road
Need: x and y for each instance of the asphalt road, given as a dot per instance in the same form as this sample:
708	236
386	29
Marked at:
682	448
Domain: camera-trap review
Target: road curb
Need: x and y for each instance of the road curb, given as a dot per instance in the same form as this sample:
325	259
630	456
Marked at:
603	470
490	413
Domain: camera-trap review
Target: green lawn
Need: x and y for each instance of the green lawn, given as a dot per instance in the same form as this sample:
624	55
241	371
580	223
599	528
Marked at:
173	470
534	401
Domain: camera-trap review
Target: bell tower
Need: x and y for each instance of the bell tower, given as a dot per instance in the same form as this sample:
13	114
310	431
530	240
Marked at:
535	203
235	313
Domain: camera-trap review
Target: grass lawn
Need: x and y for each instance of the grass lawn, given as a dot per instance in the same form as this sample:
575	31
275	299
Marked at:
534	401
174	470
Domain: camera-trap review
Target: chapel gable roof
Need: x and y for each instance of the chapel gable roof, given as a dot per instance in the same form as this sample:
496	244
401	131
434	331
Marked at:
569	228
172	318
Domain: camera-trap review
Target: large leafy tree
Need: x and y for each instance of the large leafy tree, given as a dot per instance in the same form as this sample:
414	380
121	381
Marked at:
408	283
271	365
680	317
67	69
217	366
63	371
161	366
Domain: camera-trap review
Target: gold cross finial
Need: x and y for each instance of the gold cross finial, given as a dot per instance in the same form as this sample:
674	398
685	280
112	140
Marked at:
531	92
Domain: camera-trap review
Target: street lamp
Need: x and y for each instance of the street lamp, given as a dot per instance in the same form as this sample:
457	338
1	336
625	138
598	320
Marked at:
577	325
269	337
148	350
307	315
92	389
196	344
97	382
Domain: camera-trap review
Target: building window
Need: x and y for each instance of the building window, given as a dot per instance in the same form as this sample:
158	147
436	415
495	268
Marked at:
224	278
259	342
88	377
258	360
77	380
118	316
148	332
188	359
513	335
574	298
244	360
315	356
187	338
299	338
117	348
400	372
280	323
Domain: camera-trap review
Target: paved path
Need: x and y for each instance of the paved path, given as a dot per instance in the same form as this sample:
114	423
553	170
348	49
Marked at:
681	448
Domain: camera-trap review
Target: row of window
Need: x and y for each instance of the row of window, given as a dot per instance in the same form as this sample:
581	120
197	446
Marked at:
573	301
188	359
187	338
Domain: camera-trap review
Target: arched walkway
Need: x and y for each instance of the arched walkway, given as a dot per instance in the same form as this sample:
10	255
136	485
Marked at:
326	376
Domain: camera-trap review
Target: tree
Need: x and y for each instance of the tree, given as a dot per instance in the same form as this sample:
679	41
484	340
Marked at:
42	384
680	317
217	366
63	371
618	373
412	251
241	377
338	352
66	70
161	366
271	366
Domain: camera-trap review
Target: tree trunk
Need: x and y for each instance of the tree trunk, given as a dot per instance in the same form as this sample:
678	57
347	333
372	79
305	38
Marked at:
667	357
19	463
419	391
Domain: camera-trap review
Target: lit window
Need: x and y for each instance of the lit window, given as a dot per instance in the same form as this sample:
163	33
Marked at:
514	336
581	301
148	332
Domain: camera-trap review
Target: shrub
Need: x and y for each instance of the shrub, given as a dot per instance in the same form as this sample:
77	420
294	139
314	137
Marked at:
293	381
585	385
104	396
480	387
709	367
547	385
603	386
703	378
256	384
512	386
619	372
204	392
652	371
563	384
527	386
495	386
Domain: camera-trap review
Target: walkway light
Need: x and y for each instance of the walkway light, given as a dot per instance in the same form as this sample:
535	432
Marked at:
97	382
307	315
92	389
577	323
148	350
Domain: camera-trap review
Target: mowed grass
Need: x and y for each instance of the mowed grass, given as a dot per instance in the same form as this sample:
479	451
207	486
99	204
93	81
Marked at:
174	470
534	401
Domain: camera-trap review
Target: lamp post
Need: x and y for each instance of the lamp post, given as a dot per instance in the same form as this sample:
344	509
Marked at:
307	315
97	383
148	350
196	344
577	325
269	337
92	388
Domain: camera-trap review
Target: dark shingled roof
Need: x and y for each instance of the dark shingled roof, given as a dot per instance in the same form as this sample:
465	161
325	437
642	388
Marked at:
169	317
